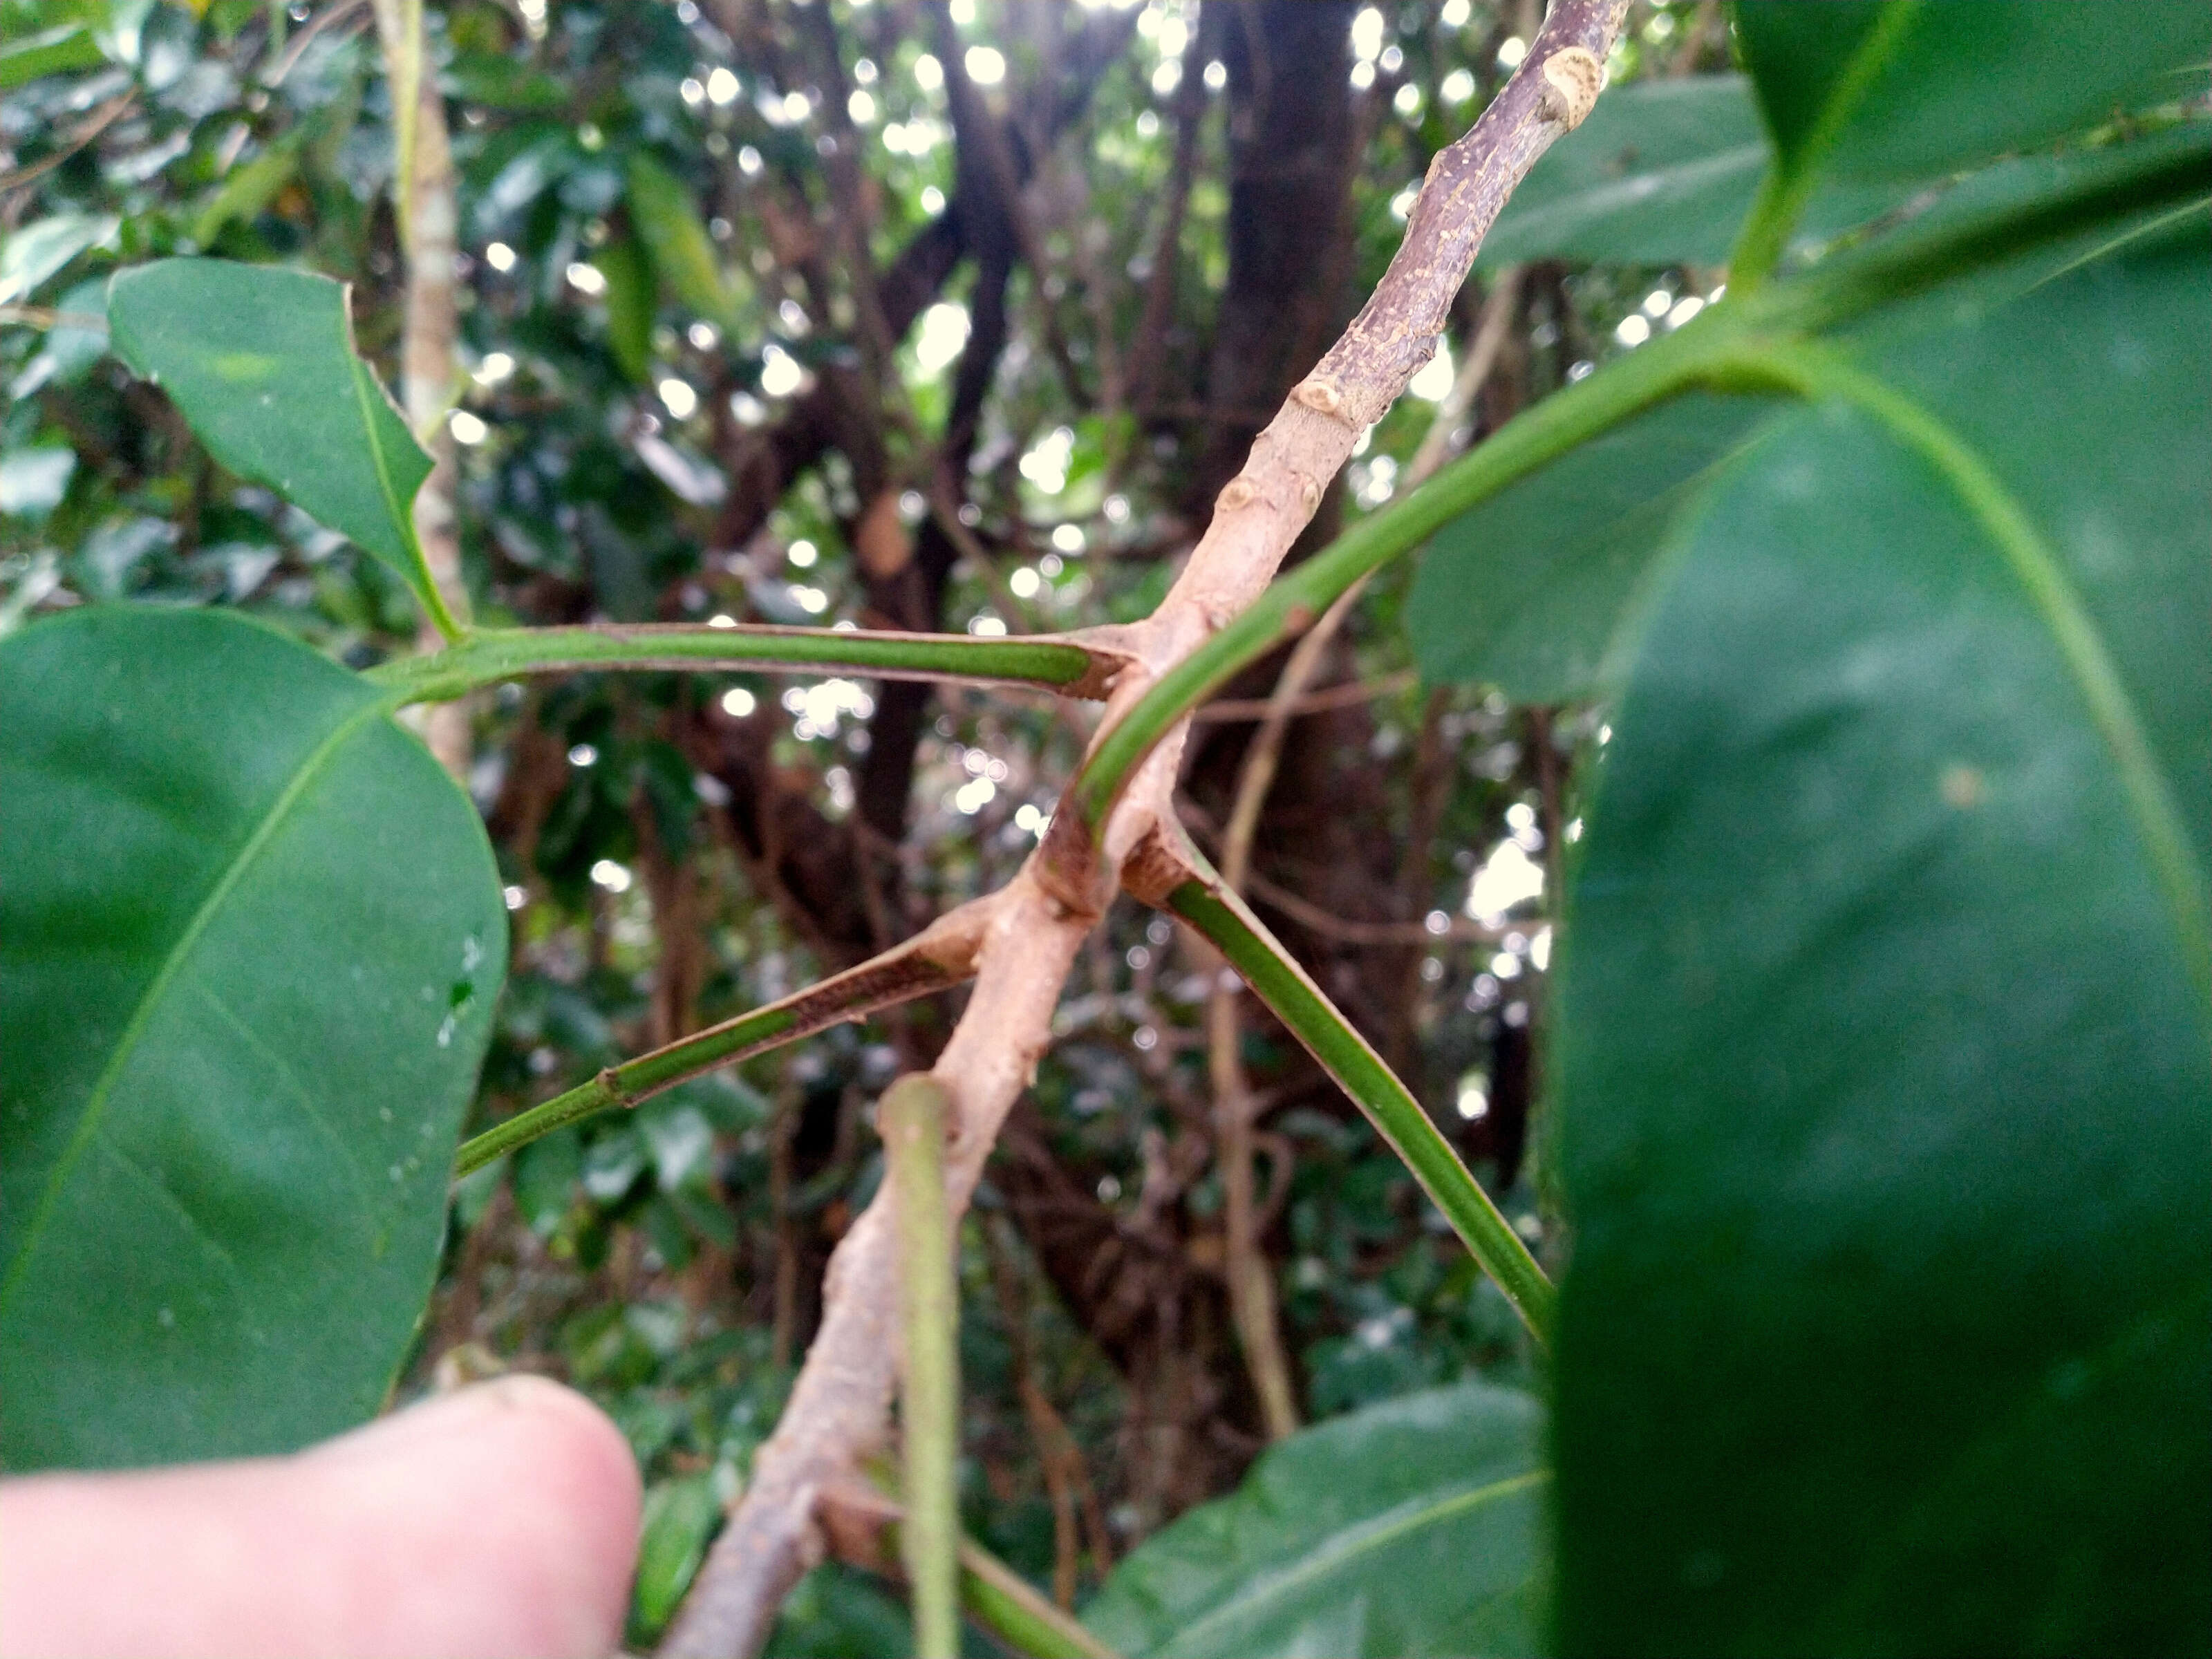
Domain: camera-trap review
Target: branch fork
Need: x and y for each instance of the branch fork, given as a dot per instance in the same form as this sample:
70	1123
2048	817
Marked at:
1033	927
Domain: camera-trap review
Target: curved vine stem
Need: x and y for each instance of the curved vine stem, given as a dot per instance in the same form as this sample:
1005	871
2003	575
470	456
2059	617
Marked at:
1201	898
1251	1293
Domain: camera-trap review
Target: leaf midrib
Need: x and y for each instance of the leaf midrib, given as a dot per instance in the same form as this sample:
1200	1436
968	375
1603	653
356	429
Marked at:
96	1102
2036	566
1369	1535
403	520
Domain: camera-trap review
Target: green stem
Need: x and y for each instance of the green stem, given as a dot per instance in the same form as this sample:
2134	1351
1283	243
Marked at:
487	656
1003	1602
1790	181
995	1598
1276	978
434	598
912	1118
913	969
626	1085
2145	174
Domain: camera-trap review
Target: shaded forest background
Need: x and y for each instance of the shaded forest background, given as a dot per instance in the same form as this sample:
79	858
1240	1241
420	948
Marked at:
896	315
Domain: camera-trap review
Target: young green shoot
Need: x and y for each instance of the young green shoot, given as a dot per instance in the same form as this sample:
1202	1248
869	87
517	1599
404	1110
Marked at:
912	1117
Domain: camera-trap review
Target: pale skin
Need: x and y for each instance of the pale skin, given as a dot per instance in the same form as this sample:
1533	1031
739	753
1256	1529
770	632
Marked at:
501	1519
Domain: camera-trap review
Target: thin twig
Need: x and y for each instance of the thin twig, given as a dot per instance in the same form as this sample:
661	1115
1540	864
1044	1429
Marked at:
1328	925
1228	710
47	317
100	120
343	12
1045	1425
937	957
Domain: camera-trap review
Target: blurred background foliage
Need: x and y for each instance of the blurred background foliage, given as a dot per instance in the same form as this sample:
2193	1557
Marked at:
877	314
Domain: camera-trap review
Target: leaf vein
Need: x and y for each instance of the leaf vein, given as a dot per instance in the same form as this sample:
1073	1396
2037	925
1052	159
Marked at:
96	1102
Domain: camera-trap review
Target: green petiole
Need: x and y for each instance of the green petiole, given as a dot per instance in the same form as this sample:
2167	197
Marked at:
487	656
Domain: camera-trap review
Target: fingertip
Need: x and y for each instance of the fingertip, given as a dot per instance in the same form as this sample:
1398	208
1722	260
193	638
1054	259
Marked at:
498	1520
572	1458
542	1501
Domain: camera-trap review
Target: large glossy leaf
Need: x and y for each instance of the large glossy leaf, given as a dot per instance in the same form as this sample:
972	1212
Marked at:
1910	88
1527	592
250	939
1661	173
1886	1032
1407	1529
260	361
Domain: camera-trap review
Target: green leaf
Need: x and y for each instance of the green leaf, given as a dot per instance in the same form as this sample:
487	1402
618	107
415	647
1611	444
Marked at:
667	221
1663	172
50	51
260	361
250	188
1407	1529
629	306
37	253
1886	1024
680	1515
1526	591
503	83
250	940
1907	89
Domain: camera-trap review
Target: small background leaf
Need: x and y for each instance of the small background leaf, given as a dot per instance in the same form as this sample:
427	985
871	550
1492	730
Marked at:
37	253
1661	173
667	220
630	305
1407	1529
260	361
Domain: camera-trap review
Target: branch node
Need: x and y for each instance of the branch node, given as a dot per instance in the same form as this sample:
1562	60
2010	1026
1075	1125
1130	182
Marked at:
1239	491
1322	397
1309	493
1573	77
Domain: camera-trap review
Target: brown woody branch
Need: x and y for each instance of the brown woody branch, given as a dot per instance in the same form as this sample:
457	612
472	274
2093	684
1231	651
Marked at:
1033	927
